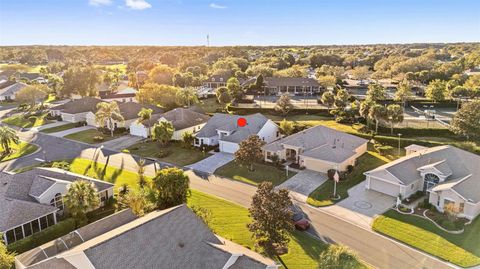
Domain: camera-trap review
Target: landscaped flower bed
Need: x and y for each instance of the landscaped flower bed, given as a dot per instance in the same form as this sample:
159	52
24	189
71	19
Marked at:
449	223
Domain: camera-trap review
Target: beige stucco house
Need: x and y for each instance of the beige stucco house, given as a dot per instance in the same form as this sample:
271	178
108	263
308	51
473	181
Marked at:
318	148
446	174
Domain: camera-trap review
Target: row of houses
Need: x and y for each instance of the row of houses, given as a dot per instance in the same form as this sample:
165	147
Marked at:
84	109
448	175
272	85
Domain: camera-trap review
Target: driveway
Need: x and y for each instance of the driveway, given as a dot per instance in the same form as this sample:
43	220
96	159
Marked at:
304	182
362	205
121	142
71	131
212	163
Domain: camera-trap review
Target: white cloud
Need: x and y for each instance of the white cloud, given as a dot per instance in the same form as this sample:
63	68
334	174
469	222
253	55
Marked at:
99	2
213	5
137	4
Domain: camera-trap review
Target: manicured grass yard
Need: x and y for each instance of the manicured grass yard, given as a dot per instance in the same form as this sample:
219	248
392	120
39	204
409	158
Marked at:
230	221
108	173
462	249
261	173
177	154
60	128
209	105
22	149
88	135
20	121
322	195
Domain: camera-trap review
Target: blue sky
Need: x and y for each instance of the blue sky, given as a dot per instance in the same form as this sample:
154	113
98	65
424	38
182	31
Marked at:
237	22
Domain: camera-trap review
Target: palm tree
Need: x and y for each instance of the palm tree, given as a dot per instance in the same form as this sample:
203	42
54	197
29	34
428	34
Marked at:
145	115
163	132
8	136
377	112
108	112
80	198
142	181
187	96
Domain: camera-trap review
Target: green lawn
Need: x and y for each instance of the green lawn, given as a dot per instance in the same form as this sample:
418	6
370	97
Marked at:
261	173
209	105
322	195
60	128
104	172
177	154
22	149
20	121
230	221
88	135
462	249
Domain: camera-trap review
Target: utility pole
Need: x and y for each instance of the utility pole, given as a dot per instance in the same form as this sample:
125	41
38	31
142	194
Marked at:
208	40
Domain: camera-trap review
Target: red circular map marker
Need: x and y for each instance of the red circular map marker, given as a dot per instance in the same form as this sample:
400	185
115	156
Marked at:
241	122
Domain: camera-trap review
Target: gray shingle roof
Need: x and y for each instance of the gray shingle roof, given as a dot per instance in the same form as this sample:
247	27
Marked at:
321	143
285	81
172	238
39	185
130	110
12	89
228	122
182	118
84	104
463	167
10	208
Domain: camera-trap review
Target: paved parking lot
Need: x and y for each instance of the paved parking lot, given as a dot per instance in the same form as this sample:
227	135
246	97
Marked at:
212	163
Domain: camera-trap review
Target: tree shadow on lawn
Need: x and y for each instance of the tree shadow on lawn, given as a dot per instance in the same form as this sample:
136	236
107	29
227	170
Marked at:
311	246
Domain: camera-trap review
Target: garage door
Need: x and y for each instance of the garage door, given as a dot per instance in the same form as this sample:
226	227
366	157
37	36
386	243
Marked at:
138	130
316	165
228	147
384	187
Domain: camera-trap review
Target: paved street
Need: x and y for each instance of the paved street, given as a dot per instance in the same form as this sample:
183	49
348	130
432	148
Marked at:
121	142
375	249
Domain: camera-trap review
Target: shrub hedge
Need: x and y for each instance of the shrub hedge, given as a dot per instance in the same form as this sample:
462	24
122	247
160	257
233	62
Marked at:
53	232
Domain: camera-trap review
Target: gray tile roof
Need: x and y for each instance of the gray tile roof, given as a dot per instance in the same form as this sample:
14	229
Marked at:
12	89
321	143
463	167
10	208
228	122
172	238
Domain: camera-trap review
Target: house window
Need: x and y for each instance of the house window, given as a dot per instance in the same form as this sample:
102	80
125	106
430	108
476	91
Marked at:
43	222
429	181
10	236
447	203
27	228
35	226
57	201
278	133
461	207
50	220
18	233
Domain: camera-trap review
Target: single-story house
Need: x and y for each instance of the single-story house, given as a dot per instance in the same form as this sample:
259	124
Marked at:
223	130
318	148
216	81
76	110
183	120
8	93
176	238
291	86
446	174
129	111
32	77
124	95
30	201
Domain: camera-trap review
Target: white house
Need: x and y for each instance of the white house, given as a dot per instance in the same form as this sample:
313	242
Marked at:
8	93
38	195
223	130
129	111
76	110
318	148
446	174
183	120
